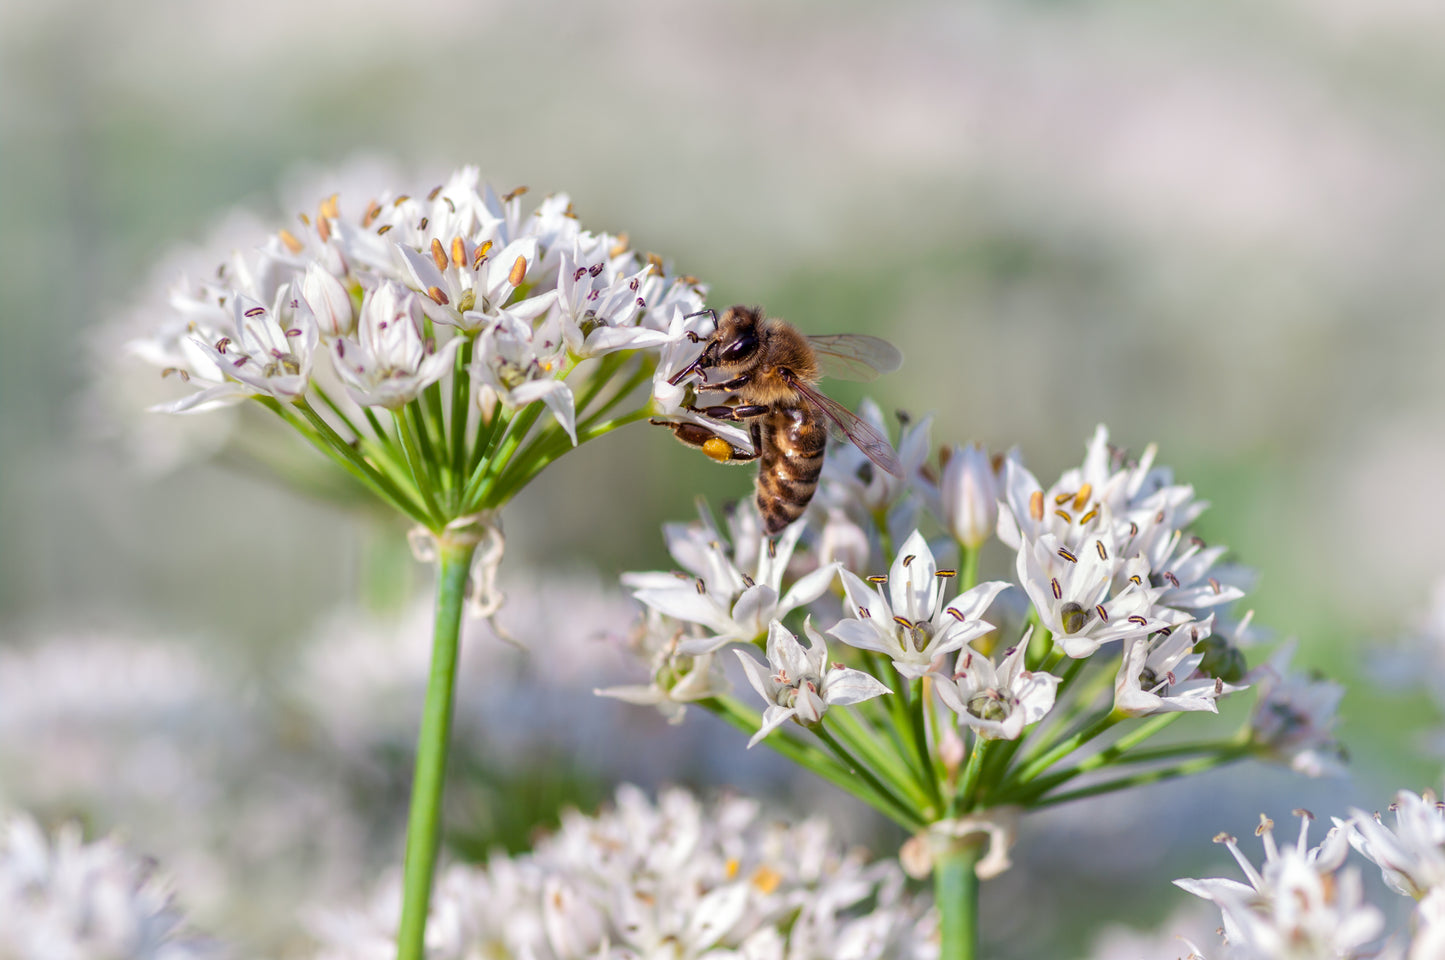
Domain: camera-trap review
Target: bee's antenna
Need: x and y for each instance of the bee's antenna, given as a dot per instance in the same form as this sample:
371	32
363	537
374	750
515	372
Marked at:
708	312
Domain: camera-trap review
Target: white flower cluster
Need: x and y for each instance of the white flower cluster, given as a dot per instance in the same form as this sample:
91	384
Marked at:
1104	556
1303	902
254	797
64	899
377	296
675	879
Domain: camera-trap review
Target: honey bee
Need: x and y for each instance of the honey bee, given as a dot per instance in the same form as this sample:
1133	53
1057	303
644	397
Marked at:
771	371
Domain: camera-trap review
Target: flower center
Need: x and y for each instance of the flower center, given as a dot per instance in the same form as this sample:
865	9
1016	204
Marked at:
1073	616
988	705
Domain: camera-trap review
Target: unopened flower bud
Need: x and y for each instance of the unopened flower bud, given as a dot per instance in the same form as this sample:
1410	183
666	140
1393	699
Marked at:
951	749
843	541
329	301
969	491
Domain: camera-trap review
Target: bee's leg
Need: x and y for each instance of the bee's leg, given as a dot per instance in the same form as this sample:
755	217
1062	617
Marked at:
716	448
742	411
740	380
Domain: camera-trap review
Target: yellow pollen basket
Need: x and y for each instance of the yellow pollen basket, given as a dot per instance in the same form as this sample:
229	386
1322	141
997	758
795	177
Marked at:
717	449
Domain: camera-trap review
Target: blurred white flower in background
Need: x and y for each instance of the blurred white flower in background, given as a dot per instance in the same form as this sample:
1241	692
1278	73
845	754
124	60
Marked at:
672	878
64	899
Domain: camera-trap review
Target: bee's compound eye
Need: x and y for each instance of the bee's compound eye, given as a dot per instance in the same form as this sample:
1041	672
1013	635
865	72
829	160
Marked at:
739	348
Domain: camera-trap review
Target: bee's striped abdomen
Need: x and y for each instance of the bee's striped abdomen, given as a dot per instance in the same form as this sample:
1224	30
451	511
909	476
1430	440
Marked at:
790	462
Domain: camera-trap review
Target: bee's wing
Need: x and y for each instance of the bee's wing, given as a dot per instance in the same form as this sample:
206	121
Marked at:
843	422
855	356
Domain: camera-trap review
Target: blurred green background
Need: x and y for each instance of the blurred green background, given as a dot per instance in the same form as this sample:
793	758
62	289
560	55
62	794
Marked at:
1214	226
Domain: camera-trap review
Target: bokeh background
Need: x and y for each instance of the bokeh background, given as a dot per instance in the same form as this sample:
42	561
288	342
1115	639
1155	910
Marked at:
1214	226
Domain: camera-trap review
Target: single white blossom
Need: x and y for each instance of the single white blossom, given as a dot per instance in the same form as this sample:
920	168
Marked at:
678	678
912	623
508	363
734	593
389	363
1294	718
998	702
1162	674
1072	590
802	684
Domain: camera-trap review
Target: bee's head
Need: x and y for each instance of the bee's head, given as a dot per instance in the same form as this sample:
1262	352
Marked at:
737	339
735	342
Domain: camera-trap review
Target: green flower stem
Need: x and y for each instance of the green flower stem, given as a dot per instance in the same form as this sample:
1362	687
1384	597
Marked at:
898	810
503	445
384	437
419	473
432	464
461	408
955	891
336	410
931	774
897	706
515	479
599	377
423	830
804	755
259	460
864	740
433	421
324	438
488	431
1037	765
968	783
1044	735
1179	750
1071	672
968	568
1115	753
1187	768
639	376
1041	644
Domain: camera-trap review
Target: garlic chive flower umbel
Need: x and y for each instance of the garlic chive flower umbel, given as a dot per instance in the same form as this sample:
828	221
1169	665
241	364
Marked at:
417	339
953	704
670	879
441	347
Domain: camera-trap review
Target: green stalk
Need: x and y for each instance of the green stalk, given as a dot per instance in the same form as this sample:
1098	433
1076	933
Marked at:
520	474
419	473
476	494
422	433
931	775
851	764
461	411
860	736
968	574
1198	765
955	891
423	830
969	782
1115	753
324	438
1033	767
806	756
488	432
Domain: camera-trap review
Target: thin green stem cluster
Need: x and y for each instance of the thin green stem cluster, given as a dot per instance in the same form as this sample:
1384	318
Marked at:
440	456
